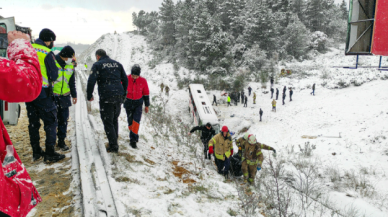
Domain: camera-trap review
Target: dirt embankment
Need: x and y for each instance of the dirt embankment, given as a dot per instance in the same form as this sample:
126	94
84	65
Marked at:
53	181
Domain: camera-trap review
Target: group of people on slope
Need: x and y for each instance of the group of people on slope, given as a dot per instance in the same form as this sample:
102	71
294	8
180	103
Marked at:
220	145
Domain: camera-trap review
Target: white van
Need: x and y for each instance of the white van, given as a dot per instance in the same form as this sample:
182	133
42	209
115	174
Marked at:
9	112
200	107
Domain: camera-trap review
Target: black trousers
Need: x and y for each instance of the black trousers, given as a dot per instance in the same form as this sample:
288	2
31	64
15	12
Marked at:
214	101
110	113
205	143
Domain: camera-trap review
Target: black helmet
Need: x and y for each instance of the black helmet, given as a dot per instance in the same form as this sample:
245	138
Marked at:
135	69
47	35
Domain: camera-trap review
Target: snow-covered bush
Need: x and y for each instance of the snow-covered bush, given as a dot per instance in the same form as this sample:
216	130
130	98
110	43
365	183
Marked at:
318	41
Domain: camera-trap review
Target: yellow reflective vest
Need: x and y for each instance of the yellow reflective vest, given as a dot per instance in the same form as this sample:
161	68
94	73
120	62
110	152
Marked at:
61	85
42	52
222	146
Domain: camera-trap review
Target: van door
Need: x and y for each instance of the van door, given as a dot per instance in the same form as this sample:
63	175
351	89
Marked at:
9	112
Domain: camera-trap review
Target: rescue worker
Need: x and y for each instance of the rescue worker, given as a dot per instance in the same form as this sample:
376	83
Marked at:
228	100
138	93
112	83
277	93
291	92
284	97
86	66
313	93
20	81
214	100
161	87
207	132
167	90
273	105
241	144
249	90
246	101
254	98
223	149
261	113
44	108
64	86
253	158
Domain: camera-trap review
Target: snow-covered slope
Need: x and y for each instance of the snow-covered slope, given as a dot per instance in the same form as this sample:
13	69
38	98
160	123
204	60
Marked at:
346	127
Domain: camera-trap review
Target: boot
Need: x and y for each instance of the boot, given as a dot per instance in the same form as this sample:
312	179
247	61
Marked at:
62	145
112	149
51	156
133	144
37	153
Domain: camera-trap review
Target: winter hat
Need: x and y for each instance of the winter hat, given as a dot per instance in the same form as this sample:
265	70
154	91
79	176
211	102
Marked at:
224	129
252	139
135	69
67	52
246	135
47	35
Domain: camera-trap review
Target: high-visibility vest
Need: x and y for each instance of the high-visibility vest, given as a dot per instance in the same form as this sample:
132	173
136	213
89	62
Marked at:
42	52
61	85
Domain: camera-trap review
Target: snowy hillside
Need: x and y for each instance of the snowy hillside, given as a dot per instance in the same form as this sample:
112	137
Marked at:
332	147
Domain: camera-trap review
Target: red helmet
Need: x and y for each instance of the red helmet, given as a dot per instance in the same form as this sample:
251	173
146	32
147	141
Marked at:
224	129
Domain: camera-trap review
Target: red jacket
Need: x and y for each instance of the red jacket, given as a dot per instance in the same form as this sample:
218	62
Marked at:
137	89
20	81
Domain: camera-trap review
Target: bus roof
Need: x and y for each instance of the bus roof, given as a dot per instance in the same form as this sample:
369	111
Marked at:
202	102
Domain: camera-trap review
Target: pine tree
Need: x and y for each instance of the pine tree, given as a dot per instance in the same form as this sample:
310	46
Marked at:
344	10
298	7
296	38
167	22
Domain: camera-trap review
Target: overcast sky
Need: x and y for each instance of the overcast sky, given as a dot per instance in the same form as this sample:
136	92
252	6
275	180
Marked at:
79	21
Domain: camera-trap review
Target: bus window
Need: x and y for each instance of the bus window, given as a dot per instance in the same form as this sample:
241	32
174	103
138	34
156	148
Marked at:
199	91
203	103
3	40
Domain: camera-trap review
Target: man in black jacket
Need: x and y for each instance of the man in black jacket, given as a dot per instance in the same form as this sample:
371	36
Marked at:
277	93
261	113
214	100
112	85
272	90
207	132
291	92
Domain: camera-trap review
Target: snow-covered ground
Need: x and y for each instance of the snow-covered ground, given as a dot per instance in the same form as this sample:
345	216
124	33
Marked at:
346	128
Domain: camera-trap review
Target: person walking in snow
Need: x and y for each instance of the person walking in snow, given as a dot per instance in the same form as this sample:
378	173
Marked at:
44	108
207	132
228	100
272	90
214	100
291	92
161	87
254	98
245	101
112	85
65	92
277	93
21	81
284	90
249	90
167	90
242	96
313	93
261	113
271	80
284	97
273	105
239	96
253	158
137	94
221	145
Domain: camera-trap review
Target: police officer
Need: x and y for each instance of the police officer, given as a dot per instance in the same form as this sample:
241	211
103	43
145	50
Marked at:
112	83
64	86
43	108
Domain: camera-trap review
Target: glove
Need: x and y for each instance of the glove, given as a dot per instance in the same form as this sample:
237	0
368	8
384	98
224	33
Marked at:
211	150
258	167
231	152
